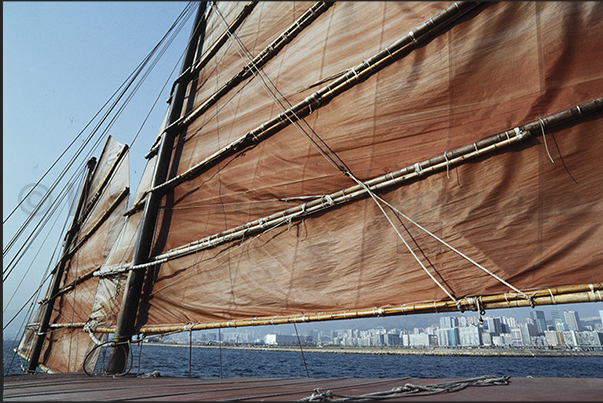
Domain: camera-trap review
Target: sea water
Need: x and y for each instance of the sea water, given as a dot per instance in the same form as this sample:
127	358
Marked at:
228	363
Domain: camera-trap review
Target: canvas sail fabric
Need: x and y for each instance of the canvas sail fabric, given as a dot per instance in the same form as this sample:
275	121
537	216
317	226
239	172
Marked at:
530	221
64	349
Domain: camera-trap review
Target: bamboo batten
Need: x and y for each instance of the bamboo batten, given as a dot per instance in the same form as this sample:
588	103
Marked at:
412	172
247	71
118	160
259	61
355	75
551	296
100	222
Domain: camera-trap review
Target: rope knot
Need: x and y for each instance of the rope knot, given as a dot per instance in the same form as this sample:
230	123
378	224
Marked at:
329	200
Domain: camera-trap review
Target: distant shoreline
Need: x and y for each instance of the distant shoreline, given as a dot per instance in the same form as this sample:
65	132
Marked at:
457	352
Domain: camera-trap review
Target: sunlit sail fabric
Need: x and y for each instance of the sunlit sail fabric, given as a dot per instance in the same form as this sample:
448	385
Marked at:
530	221
477	126
64	349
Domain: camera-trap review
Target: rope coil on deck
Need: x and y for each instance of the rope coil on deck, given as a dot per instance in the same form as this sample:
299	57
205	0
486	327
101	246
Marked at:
410	389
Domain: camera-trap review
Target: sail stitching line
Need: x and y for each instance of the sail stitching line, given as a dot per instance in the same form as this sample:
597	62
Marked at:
395	178
374	197
454	249
346	81
261	58
418	170
229	251
418	167
274	94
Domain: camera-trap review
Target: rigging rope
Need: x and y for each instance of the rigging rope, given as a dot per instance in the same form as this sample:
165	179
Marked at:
301	350
454	249
117	96
283	104
280	100
124	87
12	264
373	196
42	223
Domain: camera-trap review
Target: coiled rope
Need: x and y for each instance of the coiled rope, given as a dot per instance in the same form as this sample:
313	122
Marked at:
410	389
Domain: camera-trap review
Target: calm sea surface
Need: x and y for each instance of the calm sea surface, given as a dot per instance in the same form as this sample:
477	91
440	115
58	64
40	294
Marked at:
225	363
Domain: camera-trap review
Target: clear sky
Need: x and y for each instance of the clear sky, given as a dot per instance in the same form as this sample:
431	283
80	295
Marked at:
61	62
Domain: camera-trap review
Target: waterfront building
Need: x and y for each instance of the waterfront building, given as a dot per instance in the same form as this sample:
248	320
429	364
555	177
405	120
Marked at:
487	339
553	338
420	340
509	322
470	336
516	338
590	340
527	331
493	325
448	337
280	340
448	322
559	321
569	338
391	340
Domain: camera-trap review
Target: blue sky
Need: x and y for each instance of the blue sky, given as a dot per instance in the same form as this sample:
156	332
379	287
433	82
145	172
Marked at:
61	62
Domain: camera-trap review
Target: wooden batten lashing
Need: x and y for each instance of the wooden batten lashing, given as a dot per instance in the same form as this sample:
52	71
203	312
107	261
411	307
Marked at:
323	95
552	296
436	164
258	62
433	165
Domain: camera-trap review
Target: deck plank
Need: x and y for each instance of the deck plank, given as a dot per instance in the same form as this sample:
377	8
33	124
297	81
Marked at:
80	387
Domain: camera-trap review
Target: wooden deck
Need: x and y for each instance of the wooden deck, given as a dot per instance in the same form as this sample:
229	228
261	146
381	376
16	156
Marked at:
80	387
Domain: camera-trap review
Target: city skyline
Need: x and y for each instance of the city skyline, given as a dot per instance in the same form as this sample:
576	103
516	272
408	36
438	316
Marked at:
431	320
563	330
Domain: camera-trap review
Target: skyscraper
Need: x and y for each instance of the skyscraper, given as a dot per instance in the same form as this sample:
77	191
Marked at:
572	319
539	320
559	320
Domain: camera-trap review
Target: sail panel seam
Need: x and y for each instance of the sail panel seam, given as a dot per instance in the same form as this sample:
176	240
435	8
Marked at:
323	95
428	167
260	60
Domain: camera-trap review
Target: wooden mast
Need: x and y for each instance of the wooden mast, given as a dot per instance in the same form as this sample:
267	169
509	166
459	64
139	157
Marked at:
126	319
58	274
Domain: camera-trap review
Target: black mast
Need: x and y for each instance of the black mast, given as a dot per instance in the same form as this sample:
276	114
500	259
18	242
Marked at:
126	319
58	274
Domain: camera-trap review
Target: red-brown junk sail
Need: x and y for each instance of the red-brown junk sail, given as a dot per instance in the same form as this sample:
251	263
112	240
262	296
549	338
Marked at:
65	348
531	222
477	126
